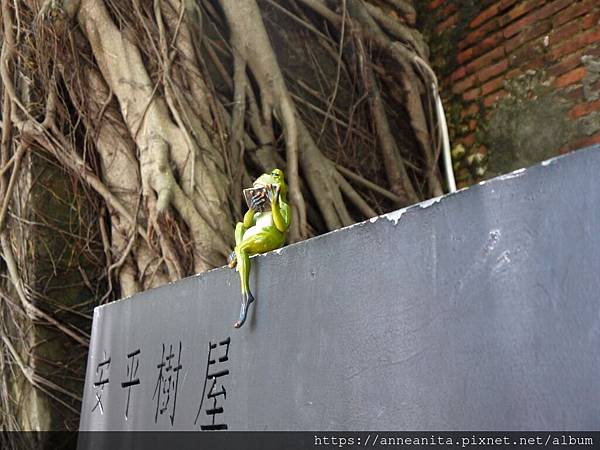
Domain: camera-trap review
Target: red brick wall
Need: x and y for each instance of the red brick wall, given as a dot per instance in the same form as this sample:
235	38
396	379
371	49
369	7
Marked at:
508	37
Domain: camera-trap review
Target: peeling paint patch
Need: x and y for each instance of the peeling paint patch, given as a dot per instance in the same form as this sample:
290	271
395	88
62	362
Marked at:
492	241
514	174
550	161
431	201
394	216
503	260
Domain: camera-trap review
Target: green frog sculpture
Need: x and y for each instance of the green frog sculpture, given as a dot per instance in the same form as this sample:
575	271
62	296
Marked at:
264	229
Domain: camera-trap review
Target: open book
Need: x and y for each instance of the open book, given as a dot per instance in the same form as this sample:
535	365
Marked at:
260	191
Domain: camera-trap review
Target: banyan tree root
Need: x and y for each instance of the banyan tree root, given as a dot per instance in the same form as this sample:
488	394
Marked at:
162	110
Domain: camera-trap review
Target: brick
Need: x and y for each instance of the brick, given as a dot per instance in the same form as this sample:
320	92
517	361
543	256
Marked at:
493	70
570	13
533	64
591	140
485	60
470	111
535	16
488	44
591	20
513	73
447	24
434	4
492	86
530	52
471	95
513	43
566	64
592	36
589	37
584	109
476	36
568	47
573	93
505	4
463	85
449	9
571	77
465	56
492	99
565	32
484	16
519	25
593	51
521	9
552	8
468	140
586	142
459	73
527	35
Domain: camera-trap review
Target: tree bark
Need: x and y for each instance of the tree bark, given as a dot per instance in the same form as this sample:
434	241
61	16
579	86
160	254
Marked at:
159	112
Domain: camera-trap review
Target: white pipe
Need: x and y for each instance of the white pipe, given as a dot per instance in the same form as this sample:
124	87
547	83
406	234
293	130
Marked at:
442	124
445	141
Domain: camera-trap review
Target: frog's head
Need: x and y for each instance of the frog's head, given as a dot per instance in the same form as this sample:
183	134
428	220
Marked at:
275	178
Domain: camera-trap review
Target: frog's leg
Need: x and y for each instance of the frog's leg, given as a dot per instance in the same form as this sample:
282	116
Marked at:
243	267
239	236
241	228
258	243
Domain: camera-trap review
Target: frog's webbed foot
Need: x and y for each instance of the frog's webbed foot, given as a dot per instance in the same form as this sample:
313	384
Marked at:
247	300
232	260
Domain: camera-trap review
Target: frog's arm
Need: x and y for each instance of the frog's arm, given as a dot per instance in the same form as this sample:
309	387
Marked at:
281	215
249	218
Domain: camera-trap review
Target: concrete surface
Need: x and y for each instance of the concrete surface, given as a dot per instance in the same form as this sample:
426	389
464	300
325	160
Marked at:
476	311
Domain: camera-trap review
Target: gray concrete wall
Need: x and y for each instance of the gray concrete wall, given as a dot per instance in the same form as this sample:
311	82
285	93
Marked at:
478	311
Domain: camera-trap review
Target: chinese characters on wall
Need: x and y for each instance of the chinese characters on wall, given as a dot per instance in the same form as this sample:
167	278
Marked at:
216	368
168	361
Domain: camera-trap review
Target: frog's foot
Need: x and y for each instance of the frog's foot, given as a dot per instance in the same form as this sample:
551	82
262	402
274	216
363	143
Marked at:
232	260
247	300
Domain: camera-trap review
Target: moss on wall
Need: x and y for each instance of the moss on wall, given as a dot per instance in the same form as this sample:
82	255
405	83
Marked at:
527	126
